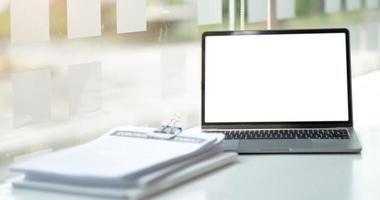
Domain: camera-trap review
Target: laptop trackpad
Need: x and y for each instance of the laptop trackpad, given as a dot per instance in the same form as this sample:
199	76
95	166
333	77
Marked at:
274	145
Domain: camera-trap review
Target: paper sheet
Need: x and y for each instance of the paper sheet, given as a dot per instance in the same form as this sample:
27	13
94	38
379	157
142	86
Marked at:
286	9
332	6
31	97
29	21
352	5
172	180
83	18
257	10
209	12
131	16
84	87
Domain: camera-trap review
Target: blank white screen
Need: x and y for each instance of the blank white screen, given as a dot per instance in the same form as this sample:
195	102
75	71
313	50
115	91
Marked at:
276	78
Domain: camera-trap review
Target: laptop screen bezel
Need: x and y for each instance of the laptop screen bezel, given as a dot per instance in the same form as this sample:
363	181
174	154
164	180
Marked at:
296	124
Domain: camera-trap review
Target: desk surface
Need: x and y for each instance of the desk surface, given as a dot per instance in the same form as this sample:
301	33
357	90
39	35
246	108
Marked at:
349	176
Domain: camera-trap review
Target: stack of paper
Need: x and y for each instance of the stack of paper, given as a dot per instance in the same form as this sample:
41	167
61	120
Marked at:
125	162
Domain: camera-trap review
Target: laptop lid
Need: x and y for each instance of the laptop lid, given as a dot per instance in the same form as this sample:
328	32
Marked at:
276	79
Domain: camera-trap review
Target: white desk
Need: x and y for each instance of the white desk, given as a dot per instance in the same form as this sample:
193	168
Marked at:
286	176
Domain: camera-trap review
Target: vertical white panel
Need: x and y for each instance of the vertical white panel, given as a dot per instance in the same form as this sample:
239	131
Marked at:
257	10
29	21
231	14
372	4
84	87
5	103
372	36
31	97
210	12
173	84
173	71
59	101
83	18
332	6
354	37
285	9
353	5
242	14
5	123
131	16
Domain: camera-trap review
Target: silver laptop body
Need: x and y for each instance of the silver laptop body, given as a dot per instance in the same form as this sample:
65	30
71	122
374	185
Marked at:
279	91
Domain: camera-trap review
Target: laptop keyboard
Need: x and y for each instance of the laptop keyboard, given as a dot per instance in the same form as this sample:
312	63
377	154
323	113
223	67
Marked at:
285	134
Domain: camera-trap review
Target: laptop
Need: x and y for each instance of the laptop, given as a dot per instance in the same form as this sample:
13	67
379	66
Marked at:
279	91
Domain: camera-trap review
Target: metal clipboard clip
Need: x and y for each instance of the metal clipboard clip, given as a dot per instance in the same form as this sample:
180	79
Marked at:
167	132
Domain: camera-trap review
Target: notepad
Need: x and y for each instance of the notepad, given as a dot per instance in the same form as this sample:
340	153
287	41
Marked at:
166	183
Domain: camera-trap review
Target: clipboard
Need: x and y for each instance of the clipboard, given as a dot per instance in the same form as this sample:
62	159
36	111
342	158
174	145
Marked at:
168	131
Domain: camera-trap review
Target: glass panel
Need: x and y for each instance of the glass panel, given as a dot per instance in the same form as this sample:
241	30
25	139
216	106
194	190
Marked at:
142	78
362	23
6	121
127	86
173	82
173	72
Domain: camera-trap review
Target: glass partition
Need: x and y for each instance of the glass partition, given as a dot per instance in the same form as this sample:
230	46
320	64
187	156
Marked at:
101	67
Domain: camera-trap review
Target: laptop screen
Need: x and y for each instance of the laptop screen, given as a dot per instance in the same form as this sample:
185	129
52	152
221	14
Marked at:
275	78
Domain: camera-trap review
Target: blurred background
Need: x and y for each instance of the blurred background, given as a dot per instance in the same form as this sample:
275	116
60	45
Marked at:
149	77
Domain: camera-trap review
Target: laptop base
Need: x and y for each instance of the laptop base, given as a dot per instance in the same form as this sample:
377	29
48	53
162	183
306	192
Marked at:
263	146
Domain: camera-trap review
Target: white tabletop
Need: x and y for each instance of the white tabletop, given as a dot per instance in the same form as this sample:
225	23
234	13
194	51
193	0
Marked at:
331	176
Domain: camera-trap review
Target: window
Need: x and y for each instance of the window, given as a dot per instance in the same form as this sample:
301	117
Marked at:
65	79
